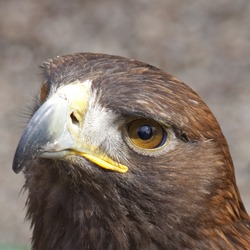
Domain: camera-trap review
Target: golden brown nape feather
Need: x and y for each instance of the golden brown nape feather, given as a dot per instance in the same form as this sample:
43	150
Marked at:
120	155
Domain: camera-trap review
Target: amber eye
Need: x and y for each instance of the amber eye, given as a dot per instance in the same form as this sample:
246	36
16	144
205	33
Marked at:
146	133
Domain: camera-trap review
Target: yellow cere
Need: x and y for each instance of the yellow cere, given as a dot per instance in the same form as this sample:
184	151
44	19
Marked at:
77	94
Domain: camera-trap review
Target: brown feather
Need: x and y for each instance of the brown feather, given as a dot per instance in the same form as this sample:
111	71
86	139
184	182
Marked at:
184	199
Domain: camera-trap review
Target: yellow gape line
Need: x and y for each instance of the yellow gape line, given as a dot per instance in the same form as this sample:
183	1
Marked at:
106	162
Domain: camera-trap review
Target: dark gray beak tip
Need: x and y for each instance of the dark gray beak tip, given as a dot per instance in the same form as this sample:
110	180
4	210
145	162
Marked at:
16	169
18	161
45	128
26	151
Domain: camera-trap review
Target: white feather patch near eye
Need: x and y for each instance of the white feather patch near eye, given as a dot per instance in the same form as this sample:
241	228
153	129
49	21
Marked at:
99	122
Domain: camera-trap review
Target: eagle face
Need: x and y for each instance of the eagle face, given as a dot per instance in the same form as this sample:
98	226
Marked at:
120	155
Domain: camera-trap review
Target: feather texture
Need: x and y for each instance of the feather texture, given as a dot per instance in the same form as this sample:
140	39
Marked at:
182	198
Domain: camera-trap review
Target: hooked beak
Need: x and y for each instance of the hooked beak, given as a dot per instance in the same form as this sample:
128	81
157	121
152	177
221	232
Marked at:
54	131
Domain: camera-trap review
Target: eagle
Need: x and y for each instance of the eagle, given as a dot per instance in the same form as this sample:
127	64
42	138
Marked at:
117	154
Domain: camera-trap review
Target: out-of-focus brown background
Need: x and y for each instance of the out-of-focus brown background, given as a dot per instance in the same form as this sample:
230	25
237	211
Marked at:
204	43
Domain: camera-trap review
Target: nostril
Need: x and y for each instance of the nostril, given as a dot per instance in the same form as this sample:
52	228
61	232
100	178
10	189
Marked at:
74	119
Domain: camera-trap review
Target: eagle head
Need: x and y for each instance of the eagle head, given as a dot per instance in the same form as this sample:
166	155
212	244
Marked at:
118	154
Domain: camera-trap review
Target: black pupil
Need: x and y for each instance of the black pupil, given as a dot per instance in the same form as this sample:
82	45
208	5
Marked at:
145	132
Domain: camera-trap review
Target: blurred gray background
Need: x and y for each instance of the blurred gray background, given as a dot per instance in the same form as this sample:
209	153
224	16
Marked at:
204	43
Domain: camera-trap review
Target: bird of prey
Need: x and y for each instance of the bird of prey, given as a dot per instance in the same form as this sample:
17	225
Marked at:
118	154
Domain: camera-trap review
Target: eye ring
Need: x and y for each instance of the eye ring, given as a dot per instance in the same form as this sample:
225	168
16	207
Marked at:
146	134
